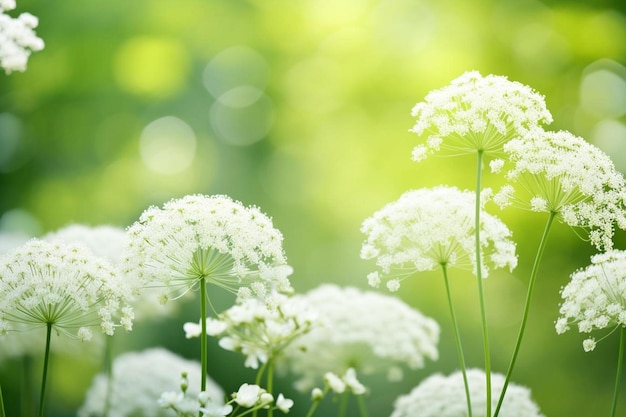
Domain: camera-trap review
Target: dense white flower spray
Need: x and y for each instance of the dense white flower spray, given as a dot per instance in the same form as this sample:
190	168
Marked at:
17	38
442	396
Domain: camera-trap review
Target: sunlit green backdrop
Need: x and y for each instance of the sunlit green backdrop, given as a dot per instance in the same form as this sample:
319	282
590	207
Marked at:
302	107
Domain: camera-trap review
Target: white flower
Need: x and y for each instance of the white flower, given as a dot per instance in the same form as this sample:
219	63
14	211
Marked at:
216	410
284	404
364	330
64	286
334	382
441	396
146	382
353	383
248	395
429	227
261	331
17	38
595	297
105	241
476	112
210	237
562	173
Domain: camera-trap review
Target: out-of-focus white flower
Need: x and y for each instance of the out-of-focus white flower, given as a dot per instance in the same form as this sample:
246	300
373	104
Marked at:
365	330
259	330
595	297
210	237
561	173
476	112
441	396
429	227
17	38
284	404
64	286
145	383
248	395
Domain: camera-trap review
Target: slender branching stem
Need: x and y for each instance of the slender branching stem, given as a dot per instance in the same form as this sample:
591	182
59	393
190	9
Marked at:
270	383
45	369
343	404
203	337
618	374
457	339
479	276
1	403
531	285
316	402
362	407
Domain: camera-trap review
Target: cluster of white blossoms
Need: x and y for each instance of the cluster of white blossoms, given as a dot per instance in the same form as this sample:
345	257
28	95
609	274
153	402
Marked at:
595	297
364	330
253	396
65	286
259	330
476	113
211	237
562	173
17	38
139	380
444	396
105	241
430	227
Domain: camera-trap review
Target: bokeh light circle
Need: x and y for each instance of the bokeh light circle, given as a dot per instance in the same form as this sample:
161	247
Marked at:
167	145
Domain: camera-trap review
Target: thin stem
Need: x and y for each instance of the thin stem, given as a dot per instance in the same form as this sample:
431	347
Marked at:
45	369
270	383
618	375
108	366
457	340
343	405
1	403
531	285
316	402
203	341
362	407
479	276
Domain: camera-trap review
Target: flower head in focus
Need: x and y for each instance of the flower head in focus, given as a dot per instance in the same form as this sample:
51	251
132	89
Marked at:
476	113
430	227
364	330
140	380
595	297
561	173
210	237
17	38
64	286
444	396
259	330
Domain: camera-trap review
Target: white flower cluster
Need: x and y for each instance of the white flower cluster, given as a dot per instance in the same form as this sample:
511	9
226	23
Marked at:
259	330
595	297
17	38
107	242
66	286
441	396
476	112
253	396
139	379
340	384
561	173
211	237
429	227
364	330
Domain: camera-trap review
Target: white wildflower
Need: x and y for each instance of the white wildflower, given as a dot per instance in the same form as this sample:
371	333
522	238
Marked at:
144	383
427	228
594	298
17	38
441	396
284	404
64	286
335	382
561	173
248	395
476	113
368	331
206	237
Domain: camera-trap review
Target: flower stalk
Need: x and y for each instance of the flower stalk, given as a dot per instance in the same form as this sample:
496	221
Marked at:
618	374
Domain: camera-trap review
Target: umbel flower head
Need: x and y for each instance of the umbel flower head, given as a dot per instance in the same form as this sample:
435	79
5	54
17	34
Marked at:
17	38
107	242
64	286
210	237
139	380
259	330
444	396
561	173
476	113
595	297
430	227
364	330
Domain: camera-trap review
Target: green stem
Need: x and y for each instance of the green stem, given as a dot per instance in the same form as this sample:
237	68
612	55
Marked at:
45	369
457	340
618	376
479	276
531	285
1	403
362	407
343	405
108	366
270	383
316	402
203	337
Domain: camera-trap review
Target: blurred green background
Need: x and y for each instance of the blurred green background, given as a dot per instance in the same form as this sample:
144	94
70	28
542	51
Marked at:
302	107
